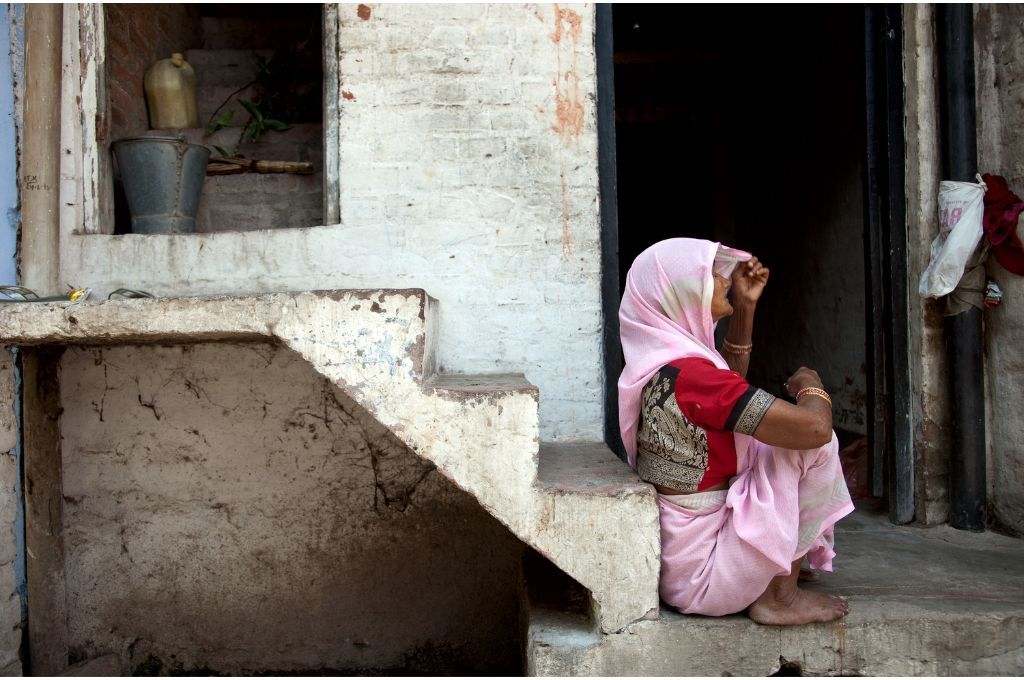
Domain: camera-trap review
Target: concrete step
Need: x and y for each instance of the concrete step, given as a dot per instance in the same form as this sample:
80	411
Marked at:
587	469
594	511
493	408
575	503
480	386
923	602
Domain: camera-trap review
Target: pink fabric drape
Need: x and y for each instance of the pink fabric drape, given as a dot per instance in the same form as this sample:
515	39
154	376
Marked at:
718	558
666	315
720	549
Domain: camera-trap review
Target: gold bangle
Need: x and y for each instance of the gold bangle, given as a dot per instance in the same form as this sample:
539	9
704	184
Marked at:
737	349
818	392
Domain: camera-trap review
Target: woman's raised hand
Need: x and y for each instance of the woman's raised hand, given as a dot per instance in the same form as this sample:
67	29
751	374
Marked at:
804	377
748	281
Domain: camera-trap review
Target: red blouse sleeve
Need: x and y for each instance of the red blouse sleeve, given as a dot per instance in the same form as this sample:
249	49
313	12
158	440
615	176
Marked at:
717	398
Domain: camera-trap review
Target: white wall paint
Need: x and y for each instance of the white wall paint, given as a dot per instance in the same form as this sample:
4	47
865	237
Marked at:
468	167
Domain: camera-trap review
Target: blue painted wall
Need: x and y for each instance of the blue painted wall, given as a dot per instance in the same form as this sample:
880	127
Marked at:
9	215
12	43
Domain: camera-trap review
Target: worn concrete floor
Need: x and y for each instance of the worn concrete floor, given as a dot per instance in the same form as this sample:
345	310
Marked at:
923	602
926	566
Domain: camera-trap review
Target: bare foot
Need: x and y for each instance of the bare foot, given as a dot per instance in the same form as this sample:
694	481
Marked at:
799	607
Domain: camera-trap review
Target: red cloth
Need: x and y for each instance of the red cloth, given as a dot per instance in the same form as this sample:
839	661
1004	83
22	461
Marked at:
1002	208
707	395
855	459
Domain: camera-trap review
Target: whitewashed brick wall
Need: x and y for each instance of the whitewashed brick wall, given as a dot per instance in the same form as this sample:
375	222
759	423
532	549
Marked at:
453	144
468	167
468	139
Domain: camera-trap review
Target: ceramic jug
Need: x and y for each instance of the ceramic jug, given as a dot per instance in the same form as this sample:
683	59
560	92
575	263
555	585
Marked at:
171	94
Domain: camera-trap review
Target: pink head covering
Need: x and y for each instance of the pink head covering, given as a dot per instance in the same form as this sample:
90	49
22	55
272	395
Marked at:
666	315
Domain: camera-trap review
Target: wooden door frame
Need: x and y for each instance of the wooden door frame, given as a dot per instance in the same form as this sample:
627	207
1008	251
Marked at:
886	270
604	48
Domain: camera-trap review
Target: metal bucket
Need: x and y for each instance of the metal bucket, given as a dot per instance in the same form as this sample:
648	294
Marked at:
163	180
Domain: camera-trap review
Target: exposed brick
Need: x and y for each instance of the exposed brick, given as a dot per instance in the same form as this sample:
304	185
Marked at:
136	36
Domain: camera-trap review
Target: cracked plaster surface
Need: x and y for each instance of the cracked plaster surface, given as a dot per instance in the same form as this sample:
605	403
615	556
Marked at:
226	505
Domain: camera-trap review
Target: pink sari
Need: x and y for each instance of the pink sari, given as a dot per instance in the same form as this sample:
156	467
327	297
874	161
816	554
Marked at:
720	548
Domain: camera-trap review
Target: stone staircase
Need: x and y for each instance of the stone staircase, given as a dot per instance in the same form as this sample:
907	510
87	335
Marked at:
575	503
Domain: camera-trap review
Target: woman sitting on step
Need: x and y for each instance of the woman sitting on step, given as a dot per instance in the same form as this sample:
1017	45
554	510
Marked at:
748	485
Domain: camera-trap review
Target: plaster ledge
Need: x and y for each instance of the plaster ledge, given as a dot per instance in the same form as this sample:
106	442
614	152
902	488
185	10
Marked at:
177	319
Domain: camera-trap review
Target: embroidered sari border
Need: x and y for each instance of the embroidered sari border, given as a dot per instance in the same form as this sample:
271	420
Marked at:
749	410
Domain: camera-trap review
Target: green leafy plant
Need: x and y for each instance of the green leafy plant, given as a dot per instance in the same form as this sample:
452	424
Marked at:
259	123
219	122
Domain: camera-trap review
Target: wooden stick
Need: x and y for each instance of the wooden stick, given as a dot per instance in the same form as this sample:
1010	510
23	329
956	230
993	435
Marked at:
225	168
292	167
238	166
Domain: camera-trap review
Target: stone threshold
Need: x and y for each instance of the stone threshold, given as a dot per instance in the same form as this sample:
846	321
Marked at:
924	601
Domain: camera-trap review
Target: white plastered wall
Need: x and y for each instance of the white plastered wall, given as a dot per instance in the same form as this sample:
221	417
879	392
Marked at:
929	380
467	165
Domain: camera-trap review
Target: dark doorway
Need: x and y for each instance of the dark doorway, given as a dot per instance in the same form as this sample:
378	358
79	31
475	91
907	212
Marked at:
748	126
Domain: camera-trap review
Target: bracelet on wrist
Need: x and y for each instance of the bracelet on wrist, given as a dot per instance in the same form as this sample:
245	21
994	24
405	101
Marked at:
815	391
733	348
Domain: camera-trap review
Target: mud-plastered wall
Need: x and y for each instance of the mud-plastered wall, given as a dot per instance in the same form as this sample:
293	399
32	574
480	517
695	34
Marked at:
226	508
999	64
11	618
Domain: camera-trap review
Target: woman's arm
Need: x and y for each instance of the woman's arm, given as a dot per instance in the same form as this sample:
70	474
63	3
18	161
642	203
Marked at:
805	425
741	329
748	282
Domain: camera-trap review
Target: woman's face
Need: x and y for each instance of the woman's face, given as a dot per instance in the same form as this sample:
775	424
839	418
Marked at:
720	307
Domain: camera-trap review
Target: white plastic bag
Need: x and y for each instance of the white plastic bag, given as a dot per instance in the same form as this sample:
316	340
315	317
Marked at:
961	209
